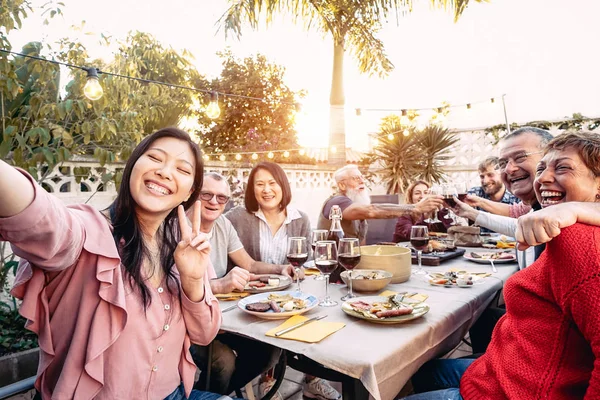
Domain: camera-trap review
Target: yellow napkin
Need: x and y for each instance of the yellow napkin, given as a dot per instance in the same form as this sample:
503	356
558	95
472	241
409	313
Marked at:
308	272
231	296
417	297
312	332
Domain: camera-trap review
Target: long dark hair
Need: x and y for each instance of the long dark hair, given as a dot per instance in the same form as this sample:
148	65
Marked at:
127	231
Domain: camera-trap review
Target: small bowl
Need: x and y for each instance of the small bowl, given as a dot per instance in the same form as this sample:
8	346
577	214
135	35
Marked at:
367	285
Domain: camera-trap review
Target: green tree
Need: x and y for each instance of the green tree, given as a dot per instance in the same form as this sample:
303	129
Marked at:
247	125
351	24
402	159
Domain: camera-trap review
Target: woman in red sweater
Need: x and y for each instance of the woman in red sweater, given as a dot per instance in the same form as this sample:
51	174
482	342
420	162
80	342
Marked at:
548	343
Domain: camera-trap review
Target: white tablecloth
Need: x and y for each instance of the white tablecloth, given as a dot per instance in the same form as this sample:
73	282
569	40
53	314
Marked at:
384	357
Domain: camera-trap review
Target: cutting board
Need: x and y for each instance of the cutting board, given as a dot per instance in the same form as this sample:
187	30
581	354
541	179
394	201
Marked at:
433	260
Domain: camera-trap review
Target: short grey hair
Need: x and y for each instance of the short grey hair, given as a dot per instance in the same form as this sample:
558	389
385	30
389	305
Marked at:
219	178
341	173
544	136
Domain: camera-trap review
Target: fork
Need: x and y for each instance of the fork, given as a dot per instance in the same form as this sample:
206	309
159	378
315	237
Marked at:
494	270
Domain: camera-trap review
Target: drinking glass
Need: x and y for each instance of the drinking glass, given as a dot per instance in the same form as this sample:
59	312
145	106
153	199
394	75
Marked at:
433	219
449	192
297	255
419	239
326	260
349	257
316	236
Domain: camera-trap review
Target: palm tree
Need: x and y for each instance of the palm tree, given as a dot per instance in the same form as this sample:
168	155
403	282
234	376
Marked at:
352	24
421	155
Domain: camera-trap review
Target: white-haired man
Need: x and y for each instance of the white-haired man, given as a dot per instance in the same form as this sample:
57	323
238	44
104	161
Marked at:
355	203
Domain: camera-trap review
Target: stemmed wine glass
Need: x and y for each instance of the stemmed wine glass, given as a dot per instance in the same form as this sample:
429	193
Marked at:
316	236
434	190
326	260
449	193
419	239
349	257
297	255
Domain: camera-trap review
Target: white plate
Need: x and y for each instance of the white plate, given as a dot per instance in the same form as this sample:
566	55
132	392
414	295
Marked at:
421	310
284	282
487	261
312	303
476	281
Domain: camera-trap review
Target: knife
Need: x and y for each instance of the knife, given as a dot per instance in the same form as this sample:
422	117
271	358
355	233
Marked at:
233	307
291	328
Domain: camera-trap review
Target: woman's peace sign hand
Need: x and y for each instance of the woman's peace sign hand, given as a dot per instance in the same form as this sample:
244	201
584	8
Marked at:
192	254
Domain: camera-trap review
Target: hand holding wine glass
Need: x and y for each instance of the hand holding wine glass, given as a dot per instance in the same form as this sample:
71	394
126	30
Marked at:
326	260
349	257
297	255
419	239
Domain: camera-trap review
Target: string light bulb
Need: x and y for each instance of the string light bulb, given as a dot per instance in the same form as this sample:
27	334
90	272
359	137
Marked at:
222	157
238	157
286	154
406	132
270	155
254	156
301	152
493	100
212	110
404	118
333	149
206	157
92	89
390	136
358	112
468	106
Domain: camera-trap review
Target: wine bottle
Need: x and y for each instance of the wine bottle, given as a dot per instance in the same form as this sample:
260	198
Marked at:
336	233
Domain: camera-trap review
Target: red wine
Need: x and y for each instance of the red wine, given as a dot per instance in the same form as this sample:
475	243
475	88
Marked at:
419	243
462	196
314	245
349	261
326	266
297	260
449	200
335	236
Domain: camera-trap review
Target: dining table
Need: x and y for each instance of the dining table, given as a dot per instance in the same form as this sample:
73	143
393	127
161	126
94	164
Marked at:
377	360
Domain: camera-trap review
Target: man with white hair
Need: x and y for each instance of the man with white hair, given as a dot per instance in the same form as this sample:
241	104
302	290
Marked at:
355	203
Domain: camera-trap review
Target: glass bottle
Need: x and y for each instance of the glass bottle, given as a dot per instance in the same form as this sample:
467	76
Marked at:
336	233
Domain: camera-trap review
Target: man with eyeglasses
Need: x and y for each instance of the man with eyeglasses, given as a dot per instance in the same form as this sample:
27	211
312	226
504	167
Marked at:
355	202
236	360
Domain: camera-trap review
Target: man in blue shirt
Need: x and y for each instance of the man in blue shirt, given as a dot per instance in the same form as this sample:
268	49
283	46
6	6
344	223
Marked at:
492	187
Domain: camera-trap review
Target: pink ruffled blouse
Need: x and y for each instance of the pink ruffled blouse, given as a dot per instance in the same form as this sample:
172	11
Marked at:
95	339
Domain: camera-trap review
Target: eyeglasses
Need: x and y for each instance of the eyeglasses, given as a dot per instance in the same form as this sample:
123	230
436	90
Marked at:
516	159
357	178
208	196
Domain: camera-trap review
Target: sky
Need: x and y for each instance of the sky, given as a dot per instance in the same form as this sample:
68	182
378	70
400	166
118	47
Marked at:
542	54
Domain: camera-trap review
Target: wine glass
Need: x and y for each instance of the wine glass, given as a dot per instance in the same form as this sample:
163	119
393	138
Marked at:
435	190
316	236
326	260
449	193
419	239
297	255
349	257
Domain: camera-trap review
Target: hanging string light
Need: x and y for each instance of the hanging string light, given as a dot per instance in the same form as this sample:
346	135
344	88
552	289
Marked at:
406	132
404	118
286	154
206	157
254	156
271	154
390	136
92	89
222	157
301	152
238	157
213	111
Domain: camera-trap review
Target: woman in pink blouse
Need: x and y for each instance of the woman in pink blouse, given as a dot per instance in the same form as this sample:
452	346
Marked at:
116	297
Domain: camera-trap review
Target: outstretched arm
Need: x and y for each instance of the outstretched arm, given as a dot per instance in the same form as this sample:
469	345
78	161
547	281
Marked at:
16	191
494	207
382	211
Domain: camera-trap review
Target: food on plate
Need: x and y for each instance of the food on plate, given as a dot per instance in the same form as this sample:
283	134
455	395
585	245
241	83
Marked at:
493	256
255	284
451	278
273	282
258	307
393	307
438	234
368	275
265	282
278	303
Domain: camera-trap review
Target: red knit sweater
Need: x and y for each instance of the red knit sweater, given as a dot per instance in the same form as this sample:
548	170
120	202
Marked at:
547	345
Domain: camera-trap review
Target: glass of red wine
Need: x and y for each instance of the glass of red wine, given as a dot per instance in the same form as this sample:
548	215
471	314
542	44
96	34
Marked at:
419	239
435	190
349	257
449	193
326	260
297	255
316	236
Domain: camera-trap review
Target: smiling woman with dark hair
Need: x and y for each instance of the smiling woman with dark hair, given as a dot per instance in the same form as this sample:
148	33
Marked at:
116	298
